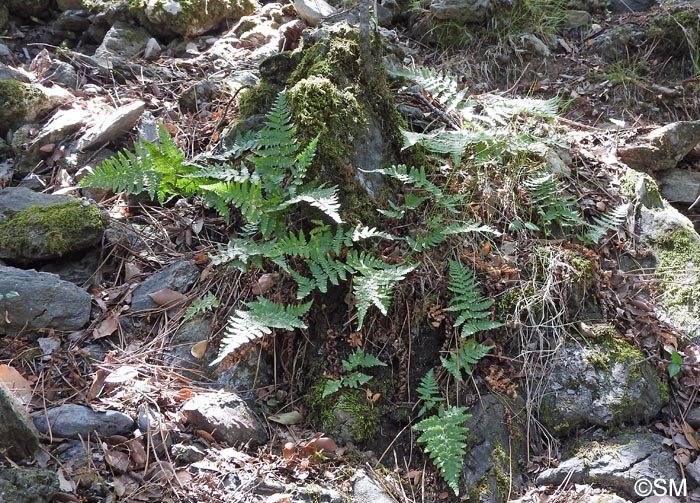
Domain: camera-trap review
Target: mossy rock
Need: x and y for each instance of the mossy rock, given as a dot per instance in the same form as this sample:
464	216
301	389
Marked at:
42	233
17	102
345	99
675	32
188	18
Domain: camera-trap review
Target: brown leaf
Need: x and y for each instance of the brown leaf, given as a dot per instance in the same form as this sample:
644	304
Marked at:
18	385
265	282
289	450
415	476
117	460
690	435
137	451
199	349
98	383
107	326
131	269
183	394
48	148
161	472
205	435
183	477
167	297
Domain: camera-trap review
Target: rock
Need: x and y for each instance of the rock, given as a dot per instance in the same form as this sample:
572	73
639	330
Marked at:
64	74
189	18
27	142
461	11
178	356
21	103
79	422
623	6
64	5
113	126
179	276
365	489
255	370
313	11
186	454
44	301
49	231
663	148
7	168
312	493
78	459
493	453
616	463
123	40
77	269
27	485
534	45
693	470
614	44
259	36
18	437
679	185
226	416
608	384
198	96
152	50
577	19
16	199
28	8
73	20
153	426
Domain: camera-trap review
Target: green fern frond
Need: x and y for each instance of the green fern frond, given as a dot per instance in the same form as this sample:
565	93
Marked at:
452	143
124	173
361	360
360	233
411	176
467	301
608	221
429	393
374	282
201	306
239	252
303	161
445	439
464	358
262	316
551	209
442	86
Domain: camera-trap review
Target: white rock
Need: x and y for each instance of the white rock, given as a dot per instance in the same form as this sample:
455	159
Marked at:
113	126
313	11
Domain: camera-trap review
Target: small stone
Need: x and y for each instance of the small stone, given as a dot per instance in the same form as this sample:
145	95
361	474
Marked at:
461	11
577	19
663	148
226	416
123	40
77	421
152	50
113	126
179	276
28	485
365	489
313	11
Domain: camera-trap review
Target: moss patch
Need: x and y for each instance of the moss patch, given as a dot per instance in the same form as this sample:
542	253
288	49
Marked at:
53	231
15	100
635	185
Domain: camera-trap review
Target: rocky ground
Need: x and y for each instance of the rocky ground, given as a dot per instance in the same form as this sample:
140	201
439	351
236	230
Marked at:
113	303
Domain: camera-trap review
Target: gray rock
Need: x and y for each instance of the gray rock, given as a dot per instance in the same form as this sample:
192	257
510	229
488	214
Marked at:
16	199
77	421
152	50
365	489
123	40
186	454
461	11
196	18
64	74
45	301
252	371
313	11
614	44
179	276
152	425
7	168
178	356
113	126
577	19
24	103
27	143
608	384
76	20
679	185
494	449
226	416
18	437
8	72
662	148
78	270
148	128
616	464
199	95
534	45
314	493
27	485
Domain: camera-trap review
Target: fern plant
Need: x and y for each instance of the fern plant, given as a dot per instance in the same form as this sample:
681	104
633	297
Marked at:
472	309
608	221
429	393
201	306
354	378
464	358
445	439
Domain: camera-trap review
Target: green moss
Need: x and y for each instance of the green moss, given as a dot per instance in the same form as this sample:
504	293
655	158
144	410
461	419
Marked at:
259	99
367	419
51	231
676	33
15	100
501	471
649	194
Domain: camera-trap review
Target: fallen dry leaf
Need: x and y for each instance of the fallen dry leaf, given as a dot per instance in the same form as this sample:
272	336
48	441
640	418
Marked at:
107	326
183	394
137	451
17	384
167	297
265	282
122	374
292	417
289	450
117	460
199	349
97	385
